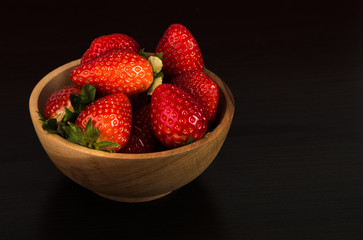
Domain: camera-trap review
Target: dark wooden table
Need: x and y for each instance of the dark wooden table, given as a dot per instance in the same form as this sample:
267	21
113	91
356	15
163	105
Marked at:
291	167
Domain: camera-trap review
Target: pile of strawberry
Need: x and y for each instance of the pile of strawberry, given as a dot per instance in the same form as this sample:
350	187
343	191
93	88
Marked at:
125	101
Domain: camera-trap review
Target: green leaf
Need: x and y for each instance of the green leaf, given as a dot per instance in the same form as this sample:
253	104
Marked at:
69	116
104	145
92	133
76	102
80	101
41	117
159	55
88	94
89	138
75	134
160	74
142	53
61	130
50	125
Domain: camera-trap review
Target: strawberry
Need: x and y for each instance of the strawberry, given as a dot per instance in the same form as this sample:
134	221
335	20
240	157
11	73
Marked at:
116	70
108	42
142	139
202	88
176	117
58	101
64	105
180	51
104	124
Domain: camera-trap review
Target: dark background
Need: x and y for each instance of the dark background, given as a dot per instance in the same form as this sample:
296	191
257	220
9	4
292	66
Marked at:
291	166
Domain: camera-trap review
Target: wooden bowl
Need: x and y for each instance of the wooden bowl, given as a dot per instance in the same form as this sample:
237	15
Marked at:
129	177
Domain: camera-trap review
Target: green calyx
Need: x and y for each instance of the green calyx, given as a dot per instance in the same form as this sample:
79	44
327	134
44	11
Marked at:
78	102
88	138
65	126
142	53
49	125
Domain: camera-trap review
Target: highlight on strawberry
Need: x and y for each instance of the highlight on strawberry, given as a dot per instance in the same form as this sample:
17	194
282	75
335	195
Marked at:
119	103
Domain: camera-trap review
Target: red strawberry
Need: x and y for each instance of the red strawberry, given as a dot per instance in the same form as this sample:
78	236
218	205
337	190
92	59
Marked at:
103	123
116	70
176	116
202	88
108	42
142	139
180	51
54	108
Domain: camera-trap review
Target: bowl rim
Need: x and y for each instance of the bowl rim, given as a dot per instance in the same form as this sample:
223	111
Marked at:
225	120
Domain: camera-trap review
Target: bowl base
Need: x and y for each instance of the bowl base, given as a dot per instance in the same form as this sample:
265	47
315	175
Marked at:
131	199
